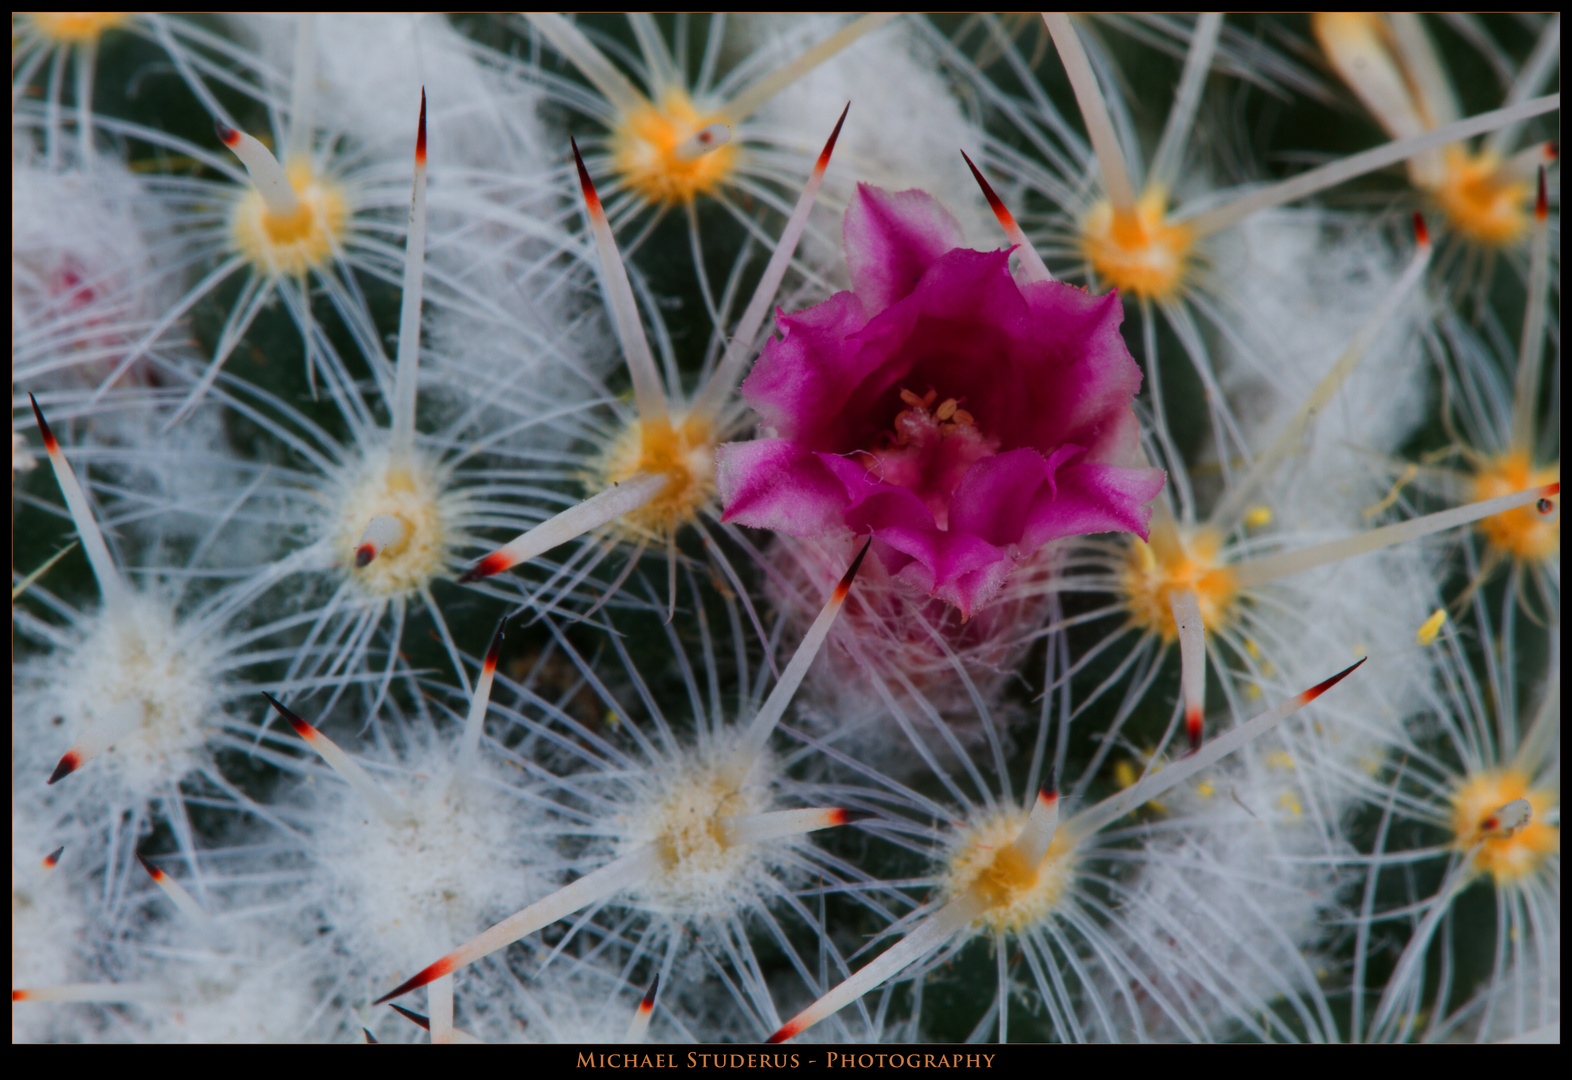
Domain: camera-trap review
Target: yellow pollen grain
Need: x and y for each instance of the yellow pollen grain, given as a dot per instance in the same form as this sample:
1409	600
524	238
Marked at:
1138	251
683	450
1505	858
985	864
1153	571
644	147
1482	204
1524	533
76	27
292	243
1430	629
1258	517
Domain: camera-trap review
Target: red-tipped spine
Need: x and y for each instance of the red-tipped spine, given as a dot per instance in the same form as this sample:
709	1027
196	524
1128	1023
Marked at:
787	1031
152	871
363	556
18	995
51	444
52	860
494	563
1542	200
1000	211
370	1038
431	974
587	185
1320	688
1192	727
851	817
648	1004
420	138
226	134
1550	491
845	584
67	766
413	1017
1421	230
303	729
829	147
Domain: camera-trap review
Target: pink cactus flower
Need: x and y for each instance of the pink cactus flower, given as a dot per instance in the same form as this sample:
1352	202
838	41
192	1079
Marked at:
962	418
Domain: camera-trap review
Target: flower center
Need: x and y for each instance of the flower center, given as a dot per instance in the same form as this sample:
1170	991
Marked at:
292	243
1480	201
929	449
77	27
683	451
661	151
1524	533
702	868
1153	571
986	864
411	502
1138	250
1507	854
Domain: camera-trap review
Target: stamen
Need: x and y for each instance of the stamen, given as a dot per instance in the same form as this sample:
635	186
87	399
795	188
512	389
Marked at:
177	893
648	397
402	440
595	511
1032	263
712	137
718	390
110	585
382	532
643	1015
1335	172
1094	112
1272	567
354	775
758	734
615	876
267	175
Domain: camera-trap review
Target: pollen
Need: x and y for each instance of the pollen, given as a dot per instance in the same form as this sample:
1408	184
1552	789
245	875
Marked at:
702	870
681	449
77	27
1507	855
1525	533
985	863
1154	571
415	496
292	243
650	150
1481	201
1138	251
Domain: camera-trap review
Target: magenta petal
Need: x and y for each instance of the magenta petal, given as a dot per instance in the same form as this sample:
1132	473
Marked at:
803	378
776	484
1091	498
891	238
994	500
